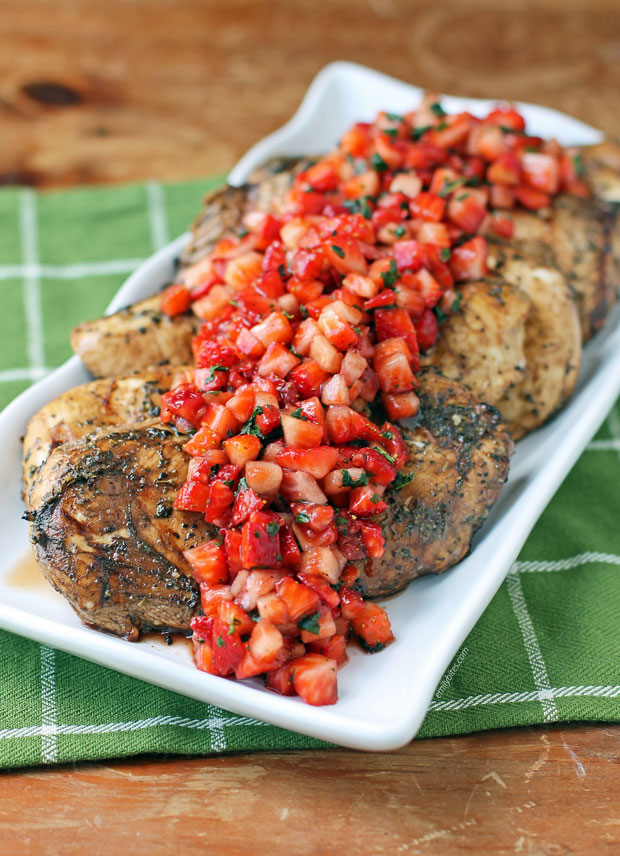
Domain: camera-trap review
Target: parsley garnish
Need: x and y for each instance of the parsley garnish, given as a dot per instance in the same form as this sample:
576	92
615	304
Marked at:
449	186
302	517
310	623
391	132
385	454
438	110
303	311
456	303
388	435
338	250
444	254
250	426
214	369
400	230
273	528
442	126
378	163
578	164
401	480
243	485
233	624
390	276
462	196
299	414
341	521
416	133
395	117
347	480
282	270
220	642
375	498
233	303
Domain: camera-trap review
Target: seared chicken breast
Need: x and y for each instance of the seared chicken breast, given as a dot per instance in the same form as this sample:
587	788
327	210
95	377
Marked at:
98	404
108	538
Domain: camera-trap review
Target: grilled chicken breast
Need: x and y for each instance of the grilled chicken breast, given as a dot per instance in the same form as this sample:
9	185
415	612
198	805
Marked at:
459	457
108	538
142	335
80	411
105	532
482	346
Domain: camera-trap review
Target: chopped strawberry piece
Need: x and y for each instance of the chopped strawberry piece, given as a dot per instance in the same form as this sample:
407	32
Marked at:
246	502
282	680
242	448
192	496
469	261
373	627
260	544
175	300
217	510
317	462
208	563
314	679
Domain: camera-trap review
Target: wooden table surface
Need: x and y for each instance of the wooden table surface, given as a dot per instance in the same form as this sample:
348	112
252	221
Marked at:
130	89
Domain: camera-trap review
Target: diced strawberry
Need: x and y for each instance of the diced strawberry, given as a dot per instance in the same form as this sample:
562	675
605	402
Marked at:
343	425
373	627
321	625
301	433
326	355
314	679
394	373
282	680
220	420
203	656
175	300
392	441
317	462
183	401
275	328
277	360
401	405
502	196
308	378
232	549
320	585
234	617
351	603
428	206
260	544
297	485
289	548
340	333
248	344
263	477
469	261
317	517
506	116
334	647
435	234
203	468
228	650
373	538
299	599
208	563
427	329
212	597
321	561
253	586
203	440
246	502
304	336
217	510
375	462
345	255
541	171
390	323
192	496
467	209
242	448
272	608
365	502
506	170
531	198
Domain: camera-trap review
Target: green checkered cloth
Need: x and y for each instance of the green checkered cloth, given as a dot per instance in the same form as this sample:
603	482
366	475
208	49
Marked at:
547	649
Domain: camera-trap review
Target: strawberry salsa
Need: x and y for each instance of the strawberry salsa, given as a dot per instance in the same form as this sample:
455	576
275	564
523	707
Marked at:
312	313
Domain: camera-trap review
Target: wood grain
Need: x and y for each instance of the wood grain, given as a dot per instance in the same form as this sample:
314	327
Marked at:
180	88
550	791
131	89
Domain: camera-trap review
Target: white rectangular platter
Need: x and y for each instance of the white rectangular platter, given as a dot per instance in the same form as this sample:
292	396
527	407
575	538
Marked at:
384	697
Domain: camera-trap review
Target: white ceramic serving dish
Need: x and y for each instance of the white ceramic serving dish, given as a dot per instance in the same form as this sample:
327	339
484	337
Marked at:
383	698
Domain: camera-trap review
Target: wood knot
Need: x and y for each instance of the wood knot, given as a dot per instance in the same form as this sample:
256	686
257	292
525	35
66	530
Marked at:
52	94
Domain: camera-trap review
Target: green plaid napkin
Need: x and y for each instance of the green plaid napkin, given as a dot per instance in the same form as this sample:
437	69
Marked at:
547	648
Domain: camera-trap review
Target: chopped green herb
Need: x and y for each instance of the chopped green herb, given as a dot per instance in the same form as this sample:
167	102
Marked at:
444	254
375	498
282	270
341	521
400	230
391	132
233	625
442	126
299	414
462	197
473	181
233	303
416	133
347	480
385	454
243	232
456	303
250	426
273	528
390	276
286	314
338	250
449	186
310	623
388	435
220	642
438	110
440	315
302	517
395	117
401	480
303	311
214	369
378	163
578	164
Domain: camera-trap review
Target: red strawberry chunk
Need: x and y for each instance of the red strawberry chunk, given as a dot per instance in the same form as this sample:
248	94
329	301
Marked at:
314	679
317	462
373	627
282	680
192	496
260	544
300	600
217	510
208	563
246	502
